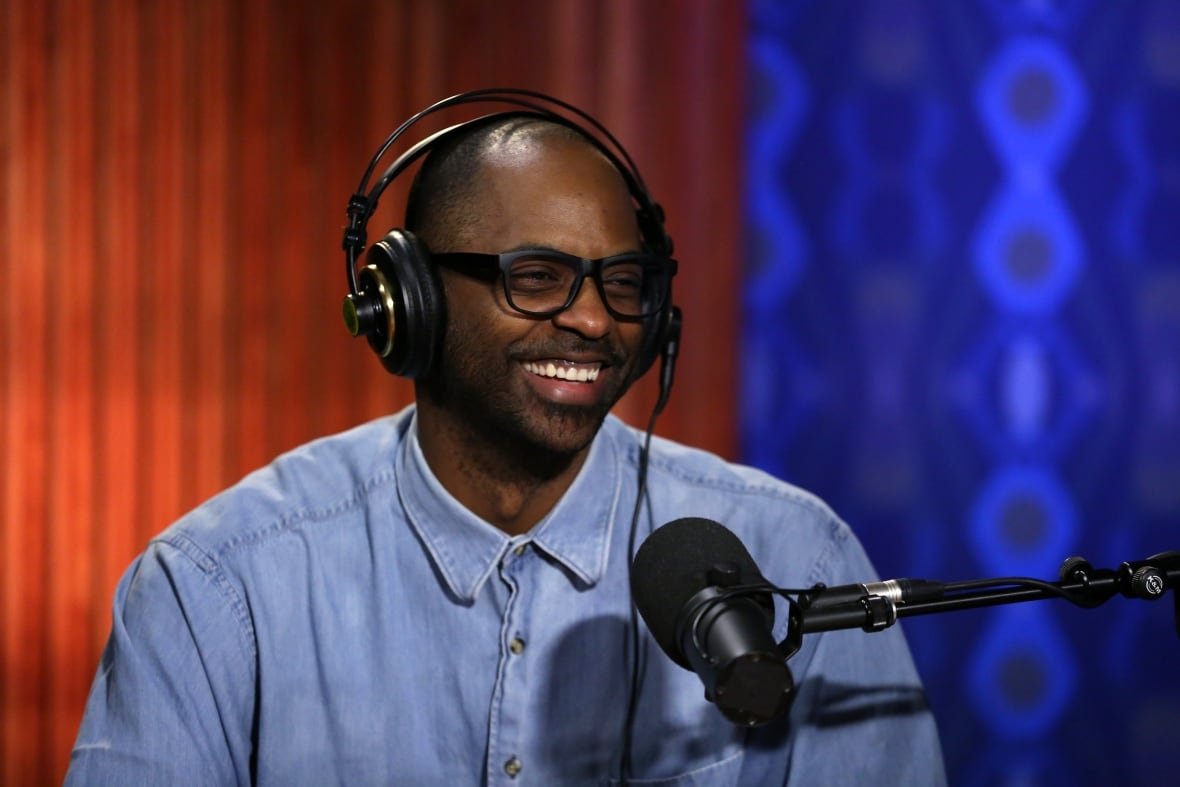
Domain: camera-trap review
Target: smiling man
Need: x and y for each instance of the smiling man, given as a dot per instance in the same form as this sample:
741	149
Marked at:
526	375
441	597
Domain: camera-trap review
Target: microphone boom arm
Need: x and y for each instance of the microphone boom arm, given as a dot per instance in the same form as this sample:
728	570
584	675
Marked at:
881	605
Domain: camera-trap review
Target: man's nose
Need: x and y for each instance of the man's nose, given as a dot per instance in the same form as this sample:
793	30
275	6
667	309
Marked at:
587	315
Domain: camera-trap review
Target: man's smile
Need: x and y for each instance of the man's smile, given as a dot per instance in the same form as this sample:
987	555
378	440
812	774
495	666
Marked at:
564	370
583	383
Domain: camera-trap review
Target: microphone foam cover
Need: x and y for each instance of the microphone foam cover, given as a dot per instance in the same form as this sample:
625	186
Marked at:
671	567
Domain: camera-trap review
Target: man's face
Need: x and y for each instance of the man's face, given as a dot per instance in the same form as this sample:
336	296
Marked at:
542	384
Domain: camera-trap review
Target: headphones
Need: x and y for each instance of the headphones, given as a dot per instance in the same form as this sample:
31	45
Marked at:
396	300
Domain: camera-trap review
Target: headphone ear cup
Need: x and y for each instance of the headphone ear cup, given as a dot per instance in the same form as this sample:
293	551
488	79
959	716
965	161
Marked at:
668	344
655	339
406	341
656	239
649	350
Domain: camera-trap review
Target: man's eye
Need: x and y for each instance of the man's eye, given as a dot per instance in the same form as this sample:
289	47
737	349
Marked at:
535	277
623	279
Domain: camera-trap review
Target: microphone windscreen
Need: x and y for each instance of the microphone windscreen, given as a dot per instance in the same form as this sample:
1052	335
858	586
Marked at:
671	567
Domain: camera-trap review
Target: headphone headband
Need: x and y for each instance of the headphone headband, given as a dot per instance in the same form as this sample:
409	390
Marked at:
522	99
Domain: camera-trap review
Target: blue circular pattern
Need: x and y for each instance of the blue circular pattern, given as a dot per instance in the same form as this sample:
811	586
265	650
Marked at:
1022	674
1023	522
1031	102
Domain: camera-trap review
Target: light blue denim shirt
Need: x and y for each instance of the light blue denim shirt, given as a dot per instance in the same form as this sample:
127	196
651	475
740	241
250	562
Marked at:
338	618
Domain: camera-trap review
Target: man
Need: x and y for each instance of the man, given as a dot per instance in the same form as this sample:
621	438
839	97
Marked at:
441	596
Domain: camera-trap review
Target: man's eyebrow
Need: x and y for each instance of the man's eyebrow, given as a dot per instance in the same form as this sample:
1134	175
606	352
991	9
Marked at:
536	247
553	249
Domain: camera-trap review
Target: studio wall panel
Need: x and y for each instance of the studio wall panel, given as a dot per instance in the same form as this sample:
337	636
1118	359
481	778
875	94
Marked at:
173	178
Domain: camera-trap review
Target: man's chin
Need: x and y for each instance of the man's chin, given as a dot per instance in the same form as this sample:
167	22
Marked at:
567	429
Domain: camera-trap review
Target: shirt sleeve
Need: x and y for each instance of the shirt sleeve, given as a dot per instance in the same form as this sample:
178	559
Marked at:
171	702
860	715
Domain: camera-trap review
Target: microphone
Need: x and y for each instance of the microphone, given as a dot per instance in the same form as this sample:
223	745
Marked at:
701	596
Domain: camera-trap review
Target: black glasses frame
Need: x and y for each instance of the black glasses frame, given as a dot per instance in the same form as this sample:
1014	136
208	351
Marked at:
475	263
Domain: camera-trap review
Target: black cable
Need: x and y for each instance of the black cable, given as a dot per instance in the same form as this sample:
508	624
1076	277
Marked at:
999	583
671	350
633	650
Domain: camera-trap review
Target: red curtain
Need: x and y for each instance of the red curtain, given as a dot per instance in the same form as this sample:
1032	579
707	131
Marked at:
173	178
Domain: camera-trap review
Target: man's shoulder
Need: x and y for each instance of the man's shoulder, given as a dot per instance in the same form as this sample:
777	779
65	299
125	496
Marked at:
318	480
696	470
790	531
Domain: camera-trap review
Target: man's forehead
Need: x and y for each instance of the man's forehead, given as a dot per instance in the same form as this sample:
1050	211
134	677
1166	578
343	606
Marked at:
558	194
534	145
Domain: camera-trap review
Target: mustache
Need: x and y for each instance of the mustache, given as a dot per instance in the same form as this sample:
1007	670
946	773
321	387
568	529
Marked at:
610	351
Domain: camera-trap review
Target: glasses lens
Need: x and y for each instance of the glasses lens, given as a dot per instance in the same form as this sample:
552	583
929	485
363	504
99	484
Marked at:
539	284
628	287
632	286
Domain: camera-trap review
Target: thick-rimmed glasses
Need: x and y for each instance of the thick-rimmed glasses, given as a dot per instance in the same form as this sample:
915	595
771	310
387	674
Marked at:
544	282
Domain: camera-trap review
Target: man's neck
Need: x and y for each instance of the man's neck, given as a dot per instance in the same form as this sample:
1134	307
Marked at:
510	486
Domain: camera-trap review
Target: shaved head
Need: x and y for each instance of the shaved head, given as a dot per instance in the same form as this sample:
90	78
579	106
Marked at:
440	210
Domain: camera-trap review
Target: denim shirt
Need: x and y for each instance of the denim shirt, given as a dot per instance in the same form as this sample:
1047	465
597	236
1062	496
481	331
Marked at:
339	618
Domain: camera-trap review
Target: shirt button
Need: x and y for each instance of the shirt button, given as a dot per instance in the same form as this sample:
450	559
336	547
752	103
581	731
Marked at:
516	646
519	550
512	767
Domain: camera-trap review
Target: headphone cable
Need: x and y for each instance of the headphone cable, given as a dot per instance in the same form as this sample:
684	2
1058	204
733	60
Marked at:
634	651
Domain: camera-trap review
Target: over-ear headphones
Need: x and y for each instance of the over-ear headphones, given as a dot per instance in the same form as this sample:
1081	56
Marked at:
396	301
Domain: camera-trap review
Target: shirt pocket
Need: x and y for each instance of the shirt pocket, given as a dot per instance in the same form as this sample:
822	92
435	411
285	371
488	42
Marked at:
723	773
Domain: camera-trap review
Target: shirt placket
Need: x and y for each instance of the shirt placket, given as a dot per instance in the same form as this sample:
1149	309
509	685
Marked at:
507	763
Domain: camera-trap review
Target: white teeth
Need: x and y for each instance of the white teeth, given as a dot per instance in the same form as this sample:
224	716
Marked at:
581	374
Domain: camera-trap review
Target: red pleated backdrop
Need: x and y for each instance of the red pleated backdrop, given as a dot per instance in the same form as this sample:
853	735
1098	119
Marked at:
173	177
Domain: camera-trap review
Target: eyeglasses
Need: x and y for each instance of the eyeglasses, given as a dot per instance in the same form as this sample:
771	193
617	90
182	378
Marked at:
542	282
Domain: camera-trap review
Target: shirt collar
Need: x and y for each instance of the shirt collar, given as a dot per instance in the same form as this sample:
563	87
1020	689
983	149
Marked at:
465	549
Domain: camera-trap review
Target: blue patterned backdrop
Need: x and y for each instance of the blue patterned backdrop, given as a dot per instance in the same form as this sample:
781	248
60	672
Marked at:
962	329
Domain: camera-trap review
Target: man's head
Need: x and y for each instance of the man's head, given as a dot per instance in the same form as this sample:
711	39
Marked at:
541	384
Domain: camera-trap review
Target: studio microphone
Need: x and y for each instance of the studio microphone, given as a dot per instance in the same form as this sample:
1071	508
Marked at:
709	608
